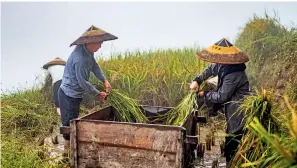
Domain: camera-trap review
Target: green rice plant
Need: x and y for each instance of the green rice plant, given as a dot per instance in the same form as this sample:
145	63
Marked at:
179	114
263	145
252	148
155	78
127	109
282	151
259	105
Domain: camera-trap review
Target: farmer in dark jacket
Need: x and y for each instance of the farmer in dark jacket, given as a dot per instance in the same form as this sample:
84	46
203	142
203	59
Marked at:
75	81
233	85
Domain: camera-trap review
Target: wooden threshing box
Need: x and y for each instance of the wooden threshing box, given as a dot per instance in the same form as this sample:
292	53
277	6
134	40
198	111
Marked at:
99	143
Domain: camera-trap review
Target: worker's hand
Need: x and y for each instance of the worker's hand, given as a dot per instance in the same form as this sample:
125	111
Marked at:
107	86
102	96
201	94
194	85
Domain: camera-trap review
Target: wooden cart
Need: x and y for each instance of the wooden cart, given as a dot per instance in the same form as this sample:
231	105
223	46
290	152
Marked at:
98	141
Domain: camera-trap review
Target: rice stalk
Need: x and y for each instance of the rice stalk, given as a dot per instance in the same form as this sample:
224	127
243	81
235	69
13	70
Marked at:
283	151
179	114
252	148
127	109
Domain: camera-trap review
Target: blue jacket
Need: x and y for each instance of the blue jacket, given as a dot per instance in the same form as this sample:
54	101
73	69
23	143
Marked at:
75	81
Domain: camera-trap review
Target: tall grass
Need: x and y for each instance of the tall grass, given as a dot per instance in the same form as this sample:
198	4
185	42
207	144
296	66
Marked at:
29	113
27	117
272	51
159	78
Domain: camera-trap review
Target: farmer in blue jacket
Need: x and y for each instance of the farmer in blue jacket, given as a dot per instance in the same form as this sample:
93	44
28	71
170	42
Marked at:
233	85
75	81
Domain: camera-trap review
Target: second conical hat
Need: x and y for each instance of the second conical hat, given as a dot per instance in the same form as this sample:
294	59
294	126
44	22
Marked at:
56	61
223	52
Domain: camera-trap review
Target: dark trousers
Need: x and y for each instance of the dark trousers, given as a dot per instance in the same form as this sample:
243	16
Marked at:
231	144
69	108
56	87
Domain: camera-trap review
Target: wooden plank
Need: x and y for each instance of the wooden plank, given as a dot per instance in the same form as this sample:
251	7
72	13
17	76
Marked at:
95	155
124	135
180	150
102	114
64	130
73	144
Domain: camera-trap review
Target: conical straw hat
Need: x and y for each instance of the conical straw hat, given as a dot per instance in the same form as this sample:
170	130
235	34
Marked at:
56	61
223	52
94	35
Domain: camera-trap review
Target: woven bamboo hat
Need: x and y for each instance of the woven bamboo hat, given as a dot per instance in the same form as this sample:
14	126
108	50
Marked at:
56	61
223	52
94	35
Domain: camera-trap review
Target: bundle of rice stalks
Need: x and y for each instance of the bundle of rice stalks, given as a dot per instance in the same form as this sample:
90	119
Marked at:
282	148
128	109
259	105
253	148
179	114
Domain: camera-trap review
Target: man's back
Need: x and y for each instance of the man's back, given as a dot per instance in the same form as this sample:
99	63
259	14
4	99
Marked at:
70	84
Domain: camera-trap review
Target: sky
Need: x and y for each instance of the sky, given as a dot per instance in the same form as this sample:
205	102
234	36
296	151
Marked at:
33	33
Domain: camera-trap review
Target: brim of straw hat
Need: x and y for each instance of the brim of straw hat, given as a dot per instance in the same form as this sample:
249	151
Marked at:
54	62
85	39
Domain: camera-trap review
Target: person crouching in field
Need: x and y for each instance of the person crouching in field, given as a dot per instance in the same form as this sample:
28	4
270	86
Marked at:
233	85
75	81
55	69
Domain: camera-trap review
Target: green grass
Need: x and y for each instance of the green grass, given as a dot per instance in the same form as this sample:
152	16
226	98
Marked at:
26	118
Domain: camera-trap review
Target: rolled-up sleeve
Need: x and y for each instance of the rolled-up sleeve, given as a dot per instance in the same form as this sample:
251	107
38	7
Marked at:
225	92
81	75
97	71
211	70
